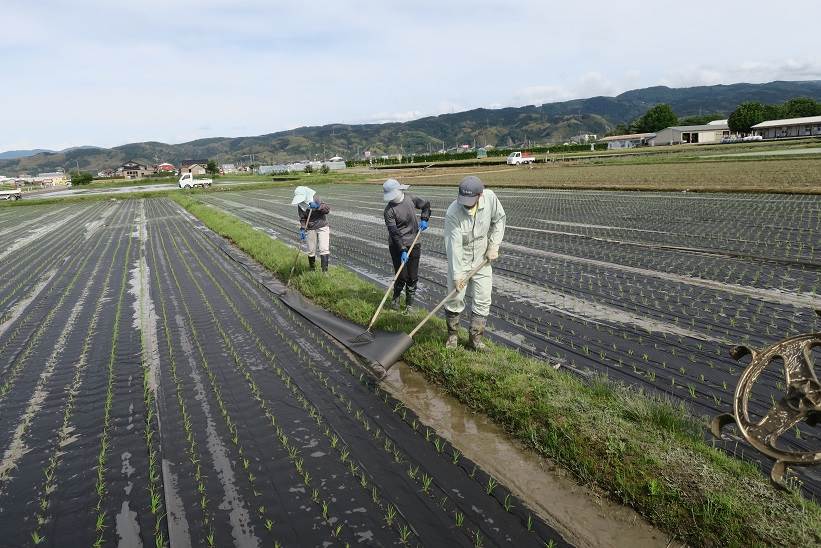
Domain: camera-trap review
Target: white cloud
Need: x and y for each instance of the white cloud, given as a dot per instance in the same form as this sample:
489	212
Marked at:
744	71
386	117
590	84
108	72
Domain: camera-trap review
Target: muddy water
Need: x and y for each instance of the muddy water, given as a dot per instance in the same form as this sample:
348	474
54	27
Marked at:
581	516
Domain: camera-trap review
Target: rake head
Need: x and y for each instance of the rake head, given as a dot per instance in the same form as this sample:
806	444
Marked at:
366	337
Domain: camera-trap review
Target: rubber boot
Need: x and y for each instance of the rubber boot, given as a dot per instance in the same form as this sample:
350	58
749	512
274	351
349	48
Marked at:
410	296
395	299
452	320
477	328
312	263
324	260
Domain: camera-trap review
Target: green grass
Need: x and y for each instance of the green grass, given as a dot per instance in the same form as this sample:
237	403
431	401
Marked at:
120	183
143	194
254	183
642	451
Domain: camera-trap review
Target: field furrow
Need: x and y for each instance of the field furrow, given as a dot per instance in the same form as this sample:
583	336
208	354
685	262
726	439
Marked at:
155	392
595	282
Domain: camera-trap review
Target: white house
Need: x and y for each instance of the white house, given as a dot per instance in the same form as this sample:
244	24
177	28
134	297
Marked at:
228	168
584	138
631	140
708	133
808	126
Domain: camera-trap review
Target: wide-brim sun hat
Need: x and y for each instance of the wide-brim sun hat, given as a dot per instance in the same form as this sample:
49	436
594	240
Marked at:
469	190
391	189
302	194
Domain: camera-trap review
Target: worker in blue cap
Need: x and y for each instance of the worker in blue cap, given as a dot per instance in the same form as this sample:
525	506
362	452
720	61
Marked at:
400	218
474	228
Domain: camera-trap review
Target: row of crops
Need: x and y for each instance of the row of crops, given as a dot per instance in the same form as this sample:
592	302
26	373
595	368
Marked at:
651	289
154	393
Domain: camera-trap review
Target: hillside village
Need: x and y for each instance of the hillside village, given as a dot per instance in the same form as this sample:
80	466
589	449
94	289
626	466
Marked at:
714	132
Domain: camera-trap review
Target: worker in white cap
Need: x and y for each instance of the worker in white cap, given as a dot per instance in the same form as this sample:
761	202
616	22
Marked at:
400	218
474	228
315	230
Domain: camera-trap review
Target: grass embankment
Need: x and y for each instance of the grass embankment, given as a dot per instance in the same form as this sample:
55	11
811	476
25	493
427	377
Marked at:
644	452
802	175
120	183
267	182
142	194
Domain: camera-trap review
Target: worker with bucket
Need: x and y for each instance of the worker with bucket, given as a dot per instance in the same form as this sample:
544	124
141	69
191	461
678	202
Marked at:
403	236
313	225
474	228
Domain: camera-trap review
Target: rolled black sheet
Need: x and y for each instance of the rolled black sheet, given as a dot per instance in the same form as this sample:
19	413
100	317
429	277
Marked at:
384	348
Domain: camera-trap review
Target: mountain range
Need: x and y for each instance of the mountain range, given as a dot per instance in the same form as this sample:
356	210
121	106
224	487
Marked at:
512	126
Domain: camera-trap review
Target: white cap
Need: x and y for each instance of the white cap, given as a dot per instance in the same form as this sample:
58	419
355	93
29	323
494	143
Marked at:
392	189
302	194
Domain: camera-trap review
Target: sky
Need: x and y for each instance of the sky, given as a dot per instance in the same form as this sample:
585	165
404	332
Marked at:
109	72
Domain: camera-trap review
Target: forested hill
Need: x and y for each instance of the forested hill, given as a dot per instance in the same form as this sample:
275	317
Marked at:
548	123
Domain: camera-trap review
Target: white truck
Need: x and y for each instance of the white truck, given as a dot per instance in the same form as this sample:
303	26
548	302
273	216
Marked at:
518	158
187	181
15	194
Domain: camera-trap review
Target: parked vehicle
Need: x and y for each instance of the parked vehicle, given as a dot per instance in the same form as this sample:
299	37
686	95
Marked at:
753	138
517	158
187	181
15	194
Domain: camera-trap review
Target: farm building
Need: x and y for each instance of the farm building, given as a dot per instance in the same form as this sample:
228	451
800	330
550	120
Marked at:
809	126
628	141
584	138
194	169
186	166
228	168
677	135
133	170
165	166
53	178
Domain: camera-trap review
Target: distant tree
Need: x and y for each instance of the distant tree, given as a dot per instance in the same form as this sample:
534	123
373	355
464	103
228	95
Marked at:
211	167
620	129
655	119
81	178
800	107
774	112
746	116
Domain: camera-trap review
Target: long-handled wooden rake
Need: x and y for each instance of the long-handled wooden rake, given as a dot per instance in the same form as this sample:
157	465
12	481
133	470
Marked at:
298	250
367	336
392	347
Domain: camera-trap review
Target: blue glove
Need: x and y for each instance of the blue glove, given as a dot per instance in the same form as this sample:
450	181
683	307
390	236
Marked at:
314	205
302	234
404	257
423	225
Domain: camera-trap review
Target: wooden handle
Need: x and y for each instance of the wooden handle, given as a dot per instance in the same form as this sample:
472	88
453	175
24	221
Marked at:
395	277
453	292
298	250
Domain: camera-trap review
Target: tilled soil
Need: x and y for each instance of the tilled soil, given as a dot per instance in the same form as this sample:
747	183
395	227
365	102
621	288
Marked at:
651	289
153	391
